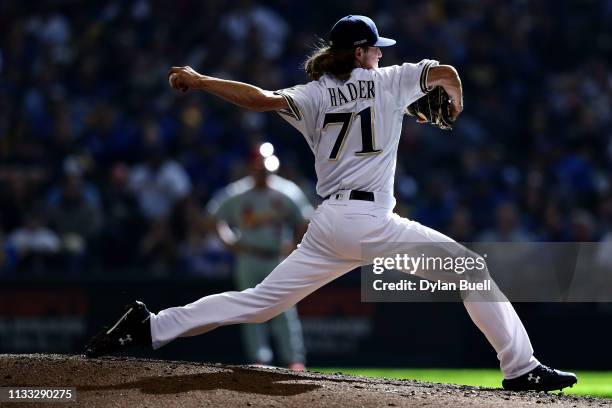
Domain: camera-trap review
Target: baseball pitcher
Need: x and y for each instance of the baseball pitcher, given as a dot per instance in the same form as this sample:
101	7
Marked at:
351	117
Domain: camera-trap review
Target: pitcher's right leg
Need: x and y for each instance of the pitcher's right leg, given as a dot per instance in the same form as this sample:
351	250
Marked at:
300	274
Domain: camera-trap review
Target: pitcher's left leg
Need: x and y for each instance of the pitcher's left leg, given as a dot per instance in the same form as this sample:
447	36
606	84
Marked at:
492	314
504	330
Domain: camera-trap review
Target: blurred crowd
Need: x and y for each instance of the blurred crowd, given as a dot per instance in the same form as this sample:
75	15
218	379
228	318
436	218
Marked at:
105	169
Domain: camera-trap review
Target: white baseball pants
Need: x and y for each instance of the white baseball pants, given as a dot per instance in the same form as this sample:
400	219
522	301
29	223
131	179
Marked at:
331	247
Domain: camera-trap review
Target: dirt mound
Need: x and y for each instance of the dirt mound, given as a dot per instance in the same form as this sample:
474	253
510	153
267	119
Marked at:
133	382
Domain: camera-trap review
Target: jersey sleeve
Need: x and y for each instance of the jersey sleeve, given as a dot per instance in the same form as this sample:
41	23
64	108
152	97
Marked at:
304	102
407	82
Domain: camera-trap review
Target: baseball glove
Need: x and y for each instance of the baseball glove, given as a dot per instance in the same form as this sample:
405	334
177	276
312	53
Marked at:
433	108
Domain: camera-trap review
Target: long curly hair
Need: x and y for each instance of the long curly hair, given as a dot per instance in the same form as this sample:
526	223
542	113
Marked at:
325	60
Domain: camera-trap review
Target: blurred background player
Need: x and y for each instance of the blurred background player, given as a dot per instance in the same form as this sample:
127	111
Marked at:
261	218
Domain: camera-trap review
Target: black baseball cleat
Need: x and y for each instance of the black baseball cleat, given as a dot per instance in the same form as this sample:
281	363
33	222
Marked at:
132	329
541	378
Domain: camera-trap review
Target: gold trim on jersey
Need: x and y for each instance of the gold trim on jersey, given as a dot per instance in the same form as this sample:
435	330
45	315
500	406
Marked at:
293	111
424	75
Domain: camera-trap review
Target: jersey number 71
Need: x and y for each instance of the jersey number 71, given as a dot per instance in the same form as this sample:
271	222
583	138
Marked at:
346	120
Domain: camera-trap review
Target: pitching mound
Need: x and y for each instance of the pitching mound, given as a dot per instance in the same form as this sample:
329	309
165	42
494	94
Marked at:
153	383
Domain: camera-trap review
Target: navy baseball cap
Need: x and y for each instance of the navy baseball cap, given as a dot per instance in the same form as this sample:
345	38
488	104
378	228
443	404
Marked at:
356	31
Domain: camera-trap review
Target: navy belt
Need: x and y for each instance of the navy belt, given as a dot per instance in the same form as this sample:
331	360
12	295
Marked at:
358	195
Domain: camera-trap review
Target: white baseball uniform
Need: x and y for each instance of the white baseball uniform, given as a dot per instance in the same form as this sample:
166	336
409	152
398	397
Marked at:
353	128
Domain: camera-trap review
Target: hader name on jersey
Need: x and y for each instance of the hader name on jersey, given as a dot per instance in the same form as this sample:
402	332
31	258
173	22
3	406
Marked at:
350	92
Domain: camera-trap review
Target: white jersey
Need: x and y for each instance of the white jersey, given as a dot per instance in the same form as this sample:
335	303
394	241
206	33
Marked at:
353	127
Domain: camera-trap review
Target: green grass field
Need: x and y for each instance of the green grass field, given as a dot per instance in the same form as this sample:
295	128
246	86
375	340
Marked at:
592	383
